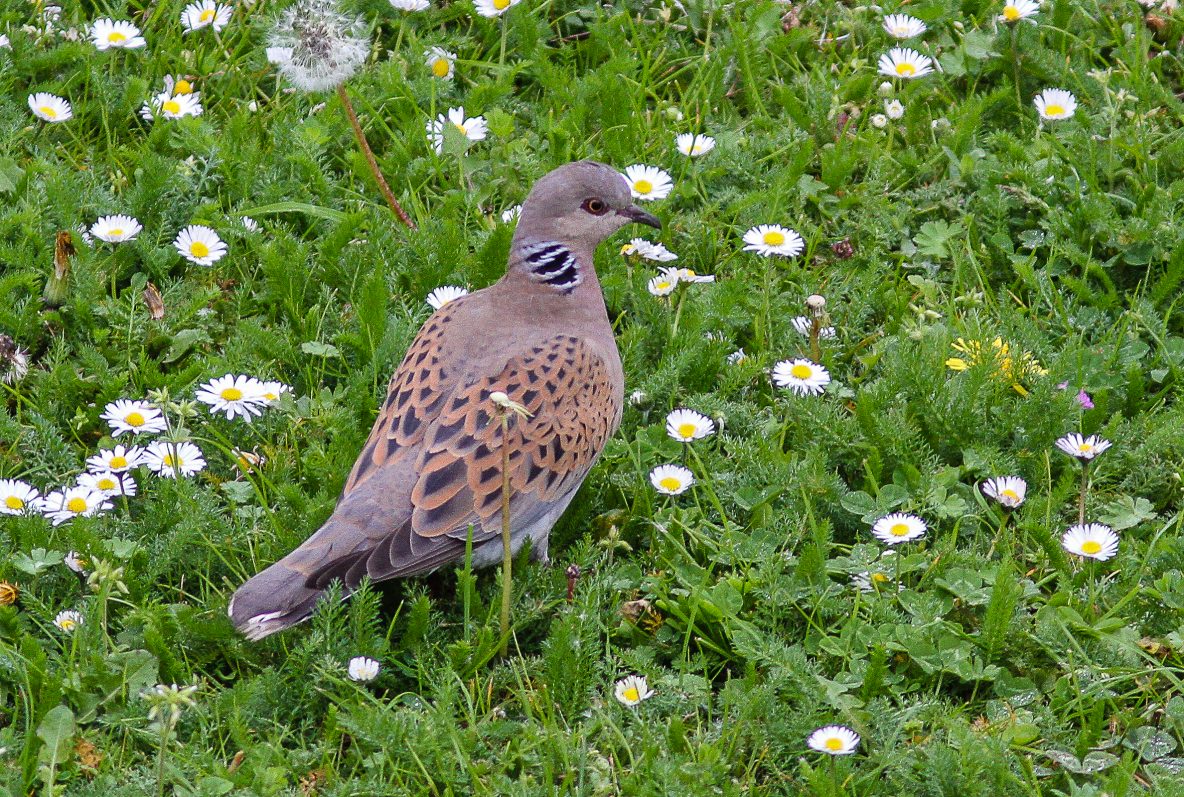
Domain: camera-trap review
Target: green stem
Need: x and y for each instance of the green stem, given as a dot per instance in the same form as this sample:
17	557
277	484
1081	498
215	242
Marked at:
1084	492
507	553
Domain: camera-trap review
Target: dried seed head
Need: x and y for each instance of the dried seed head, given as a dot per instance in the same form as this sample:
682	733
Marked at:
816	304
842	249
317	47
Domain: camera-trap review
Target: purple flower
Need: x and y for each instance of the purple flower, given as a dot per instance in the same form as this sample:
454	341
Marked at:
1084	400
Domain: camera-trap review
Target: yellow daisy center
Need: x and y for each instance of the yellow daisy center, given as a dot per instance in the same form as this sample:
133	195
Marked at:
664	285
879	578
1011	13
116	37
461	128
631	694
1091	546
906	70
1085	448
206	15
643	186
899	529
171	461
134	419
1054	110
773	238
66	624
172	106
115	231
106	483
686	430
12	502
834	743
76	505
696	149
183	87
270	396
118	462
670	483
501	5
48	112
199	249
231	394
440	67
801	371
1012	494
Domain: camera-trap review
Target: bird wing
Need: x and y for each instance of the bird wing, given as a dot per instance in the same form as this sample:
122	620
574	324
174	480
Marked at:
447	440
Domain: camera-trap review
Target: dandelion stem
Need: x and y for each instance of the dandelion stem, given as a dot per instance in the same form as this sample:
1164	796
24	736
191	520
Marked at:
815	329
507	553
395	207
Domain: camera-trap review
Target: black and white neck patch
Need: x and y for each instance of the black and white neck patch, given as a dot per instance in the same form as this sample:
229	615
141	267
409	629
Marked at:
553	264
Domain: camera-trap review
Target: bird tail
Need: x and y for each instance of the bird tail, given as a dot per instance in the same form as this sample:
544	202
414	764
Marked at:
275	599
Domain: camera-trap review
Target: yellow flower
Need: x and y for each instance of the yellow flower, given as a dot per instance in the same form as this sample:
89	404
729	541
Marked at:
1014	368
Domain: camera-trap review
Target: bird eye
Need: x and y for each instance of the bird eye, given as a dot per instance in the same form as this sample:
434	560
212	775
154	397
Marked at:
596	207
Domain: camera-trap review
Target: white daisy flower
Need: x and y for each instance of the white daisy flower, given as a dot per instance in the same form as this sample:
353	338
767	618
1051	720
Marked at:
440	61
5	44
511	214
801	376
803	324
199	244
1055	104
1007	490
671	479
879	121
108	34
115	229
18	497
1091	541
249	224
178	106
648	182
49	107
235	395
894	108
63	505
68	620
650	250
905	63
108	483
494	8
902	26
445	294
473	128
363	669
1082	448
768	240
76	562
875	580
898	527
632	689
694	144
410	5
205	14
689	275
132	416
737	357
171	459
116	460
270	392
1015	10
834	740
686	425
663	284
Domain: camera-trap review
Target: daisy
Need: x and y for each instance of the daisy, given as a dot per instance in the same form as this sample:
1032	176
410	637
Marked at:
246	461
671	479
108	483
632	689
494	8
116	460
689	275
169	459
234	395
902	26
107	34
768	240
115	229
445	294
898	527
894	108
17	497
410	5
270	392
686	425
49	107
474	128
132	416
693	144
801	376
834	740
1082	448
1055	104
879	121
62	505
203	14
76	562
875	580
1091	541
803	325
663	284
737	357
1015	10
511	214
648	182
1007	490
68	620
650	250
905	63
199	244
249	224
363	669
440	61
176	106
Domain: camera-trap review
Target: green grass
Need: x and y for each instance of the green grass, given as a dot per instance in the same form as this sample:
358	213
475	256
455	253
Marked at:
1000	666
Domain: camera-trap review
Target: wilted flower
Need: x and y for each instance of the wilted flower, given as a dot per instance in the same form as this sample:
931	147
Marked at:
317	47
9	593
14	361
167	702
803	325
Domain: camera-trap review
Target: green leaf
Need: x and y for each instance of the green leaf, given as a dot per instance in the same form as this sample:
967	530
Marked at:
933	238
318	349
183	341
56	731
295	207
10	175
1126	512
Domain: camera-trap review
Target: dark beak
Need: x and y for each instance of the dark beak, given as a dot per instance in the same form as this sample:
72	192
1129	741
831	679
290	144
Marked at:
634	213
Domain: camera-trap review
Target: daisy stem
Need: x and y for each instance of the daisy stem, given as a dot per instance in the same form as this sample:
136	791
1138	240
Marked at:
999	533
395	207
677	314
706	477
507	554
1015	69
1084	492
502	55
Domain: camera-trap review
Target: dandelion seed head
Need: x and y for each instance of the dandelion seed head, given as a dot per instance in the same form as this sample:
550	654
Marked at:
323	46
